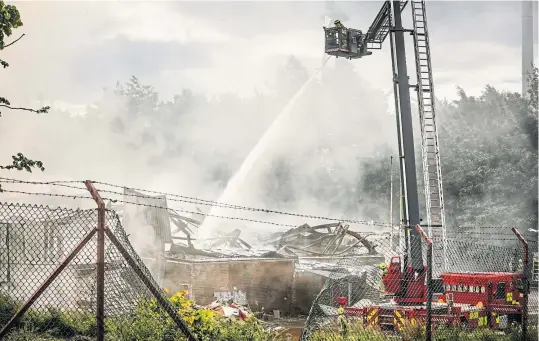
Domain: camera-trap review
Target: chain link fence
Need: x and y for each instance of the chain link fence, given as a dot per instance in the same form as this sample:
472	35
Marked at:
49	285
48	276
480	295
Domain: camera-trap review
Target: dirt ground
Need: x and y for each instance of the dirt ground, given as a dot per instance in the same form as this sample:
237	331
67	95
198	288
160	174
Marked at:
293	326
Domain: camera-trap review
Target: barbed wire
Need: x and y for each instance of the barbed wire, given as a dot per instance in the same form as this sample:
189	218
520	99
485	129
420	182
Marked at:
41	182
483	239
204	214
198	200
194	200
475	240
466	233
472	227
478	234
53	183
72	196
153	206
482	233
253	209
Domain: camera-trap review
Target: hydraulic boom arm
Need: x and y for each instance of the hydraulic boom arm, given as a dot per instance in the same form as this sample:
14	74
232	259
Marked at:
353	44
379	29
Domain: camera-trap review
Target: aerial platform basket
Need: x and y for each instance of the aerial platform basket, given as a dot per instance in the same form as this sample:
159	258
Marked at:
345	42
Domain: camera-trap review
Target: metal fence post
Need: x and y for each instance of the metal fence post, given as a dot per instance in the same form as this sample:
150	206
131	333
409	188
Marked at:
526	283
100	277
164	303
428	241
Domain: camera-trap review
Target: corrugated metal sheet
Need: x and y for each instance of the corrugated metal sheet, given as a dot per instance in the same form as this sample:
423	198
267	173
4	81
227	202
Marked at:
148	210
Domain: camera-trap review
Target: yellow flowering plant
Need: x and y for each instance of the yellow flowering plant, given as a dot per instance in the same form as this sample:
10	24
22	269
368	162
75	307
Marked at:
151	323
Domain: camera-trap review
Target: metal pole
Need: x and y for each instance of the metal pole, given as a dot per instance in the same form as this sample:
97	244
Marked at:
428	241
391	240
152	288
8	247
349	293
402	196
402	239
100	277
525	282
45	285
412	200
429	292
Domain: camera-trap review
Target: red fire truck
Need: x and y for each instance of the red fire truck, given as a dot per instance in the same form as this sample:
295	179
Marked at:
469	300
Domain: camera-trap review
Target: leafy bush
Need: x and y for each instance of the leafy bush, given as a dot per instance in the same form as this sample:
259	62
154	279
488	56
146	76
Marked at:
148	322
8	308
53	323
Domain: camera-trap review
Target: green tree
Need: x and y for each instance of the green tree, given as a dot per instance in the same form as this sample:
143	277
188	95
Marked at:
10	19
489	159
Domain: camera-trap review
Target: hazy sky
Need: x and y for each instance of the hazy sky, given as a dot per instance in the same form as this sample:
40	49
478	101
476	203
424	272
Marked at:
72	50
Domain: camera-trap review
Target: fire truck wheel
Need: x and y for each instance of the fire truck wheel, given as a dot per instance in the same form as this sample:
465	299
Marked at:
464	324
517	319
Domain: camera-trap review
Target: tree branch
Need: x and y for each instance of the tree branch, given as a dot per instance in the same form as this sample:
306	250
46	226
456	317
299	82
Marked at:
21	162
38	111
13	42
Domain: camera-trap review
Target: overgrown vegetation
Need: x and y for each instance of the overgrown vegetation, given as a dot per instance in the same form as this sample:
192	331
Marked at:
147	322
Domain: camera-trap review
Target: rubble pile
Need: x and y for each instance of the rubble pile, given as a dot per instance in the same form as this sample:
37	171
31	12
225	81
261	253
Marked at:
328	240
229	309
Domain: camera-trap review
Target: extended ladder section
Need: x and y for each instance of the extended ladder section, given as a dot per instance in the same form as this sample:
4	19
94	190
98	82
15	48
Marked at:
432	171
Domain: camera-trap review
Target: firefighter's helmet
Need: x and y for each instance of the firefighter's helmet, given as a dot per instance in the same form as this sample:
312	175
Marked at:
337	22
340	311
342	301
382	266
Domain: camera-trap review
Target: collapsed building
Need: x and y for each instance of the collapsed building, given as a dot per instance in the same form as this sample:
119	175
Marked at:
284	271
281	271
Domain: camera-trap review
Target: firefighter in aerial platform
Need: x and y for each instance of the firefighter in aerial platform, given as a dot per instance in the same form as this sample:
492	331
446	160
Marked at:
338	24
342	39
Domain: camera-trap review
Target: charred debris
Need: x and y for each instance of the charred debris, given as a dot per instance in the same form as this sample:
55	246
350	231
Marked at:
179	231
327	240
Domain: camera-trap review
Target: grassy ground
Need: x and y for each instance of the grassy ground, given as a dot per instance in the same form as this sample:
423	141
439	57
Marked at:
357	332
149	323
